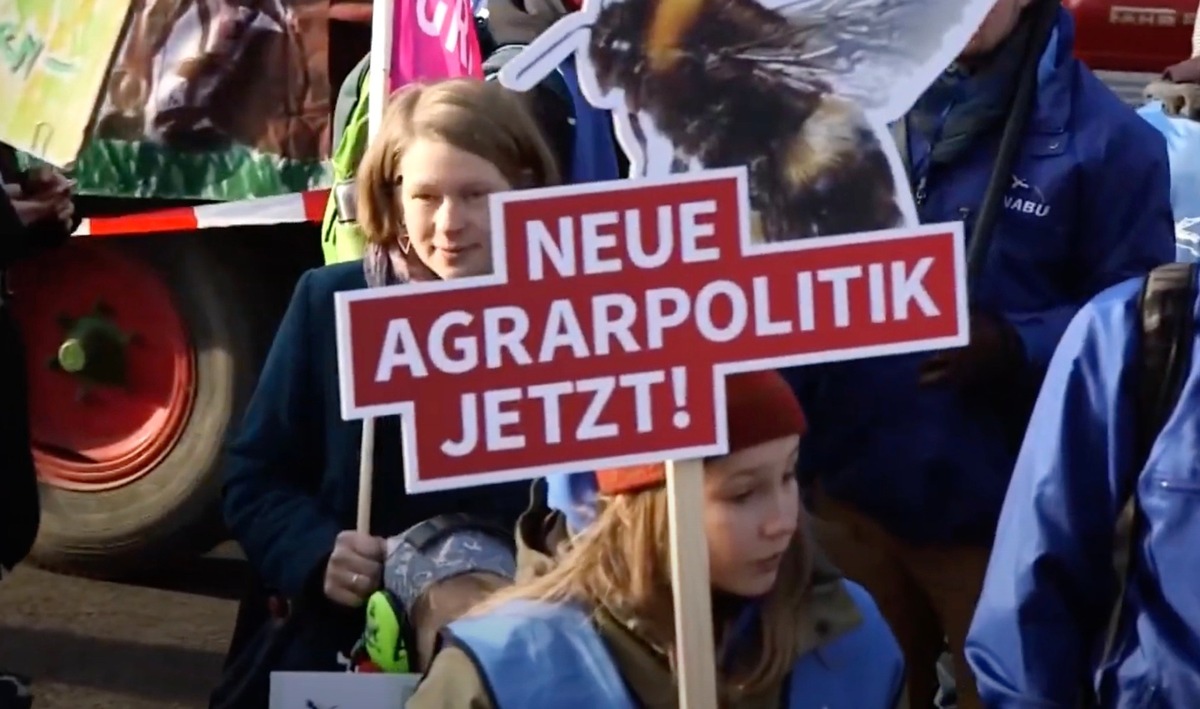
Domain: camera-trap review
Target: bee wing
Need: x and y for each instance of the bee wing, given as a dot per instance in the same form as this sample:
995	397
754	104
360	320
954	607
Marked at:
881	54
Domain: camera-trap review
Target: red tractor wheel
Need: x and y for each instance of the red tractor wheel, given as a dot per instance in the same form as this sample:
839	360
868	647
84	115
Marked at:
140	355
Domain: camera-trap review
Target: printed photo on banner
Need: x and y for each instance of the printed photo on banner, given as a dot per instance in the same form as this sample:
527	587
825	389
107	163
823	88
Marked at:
614	313
55	55
213	100
801	91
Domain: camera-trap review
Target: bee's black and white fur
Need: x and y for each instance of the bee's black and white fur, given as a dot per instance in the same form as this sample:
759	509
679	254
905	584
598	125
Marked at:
799	91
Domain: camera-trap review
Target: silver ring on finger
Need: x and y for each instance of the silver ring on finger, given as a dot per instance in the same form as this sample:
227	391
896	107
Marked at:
356	580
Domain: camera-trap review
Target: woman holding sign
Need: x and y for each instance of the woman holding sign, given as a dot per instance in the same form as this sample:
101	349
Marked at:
597	629
292	481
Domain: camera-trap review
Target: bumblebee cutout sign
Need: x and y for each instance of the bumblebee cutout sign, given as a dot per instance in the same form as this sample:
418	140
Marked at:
800	91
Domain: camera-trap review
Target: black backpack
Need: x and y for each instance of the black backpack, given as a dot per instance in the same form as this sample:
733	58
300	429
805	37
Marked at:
555	109
1167	328
497	55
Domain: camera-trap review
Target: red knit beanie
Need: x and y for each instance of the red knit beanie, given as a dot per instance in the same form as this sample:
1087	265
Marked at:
759	407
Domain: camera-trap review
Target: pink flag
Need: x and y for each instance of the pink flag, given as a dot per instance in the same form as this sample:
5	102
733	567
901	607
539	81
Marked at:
433	39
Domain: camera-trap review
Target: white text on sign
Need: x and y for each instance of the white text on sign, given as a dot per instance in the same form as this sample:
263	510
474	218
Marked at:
615	309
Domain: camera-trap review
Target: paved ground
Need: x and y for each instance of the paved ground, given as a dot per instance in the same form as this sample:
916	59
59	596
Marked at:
97	645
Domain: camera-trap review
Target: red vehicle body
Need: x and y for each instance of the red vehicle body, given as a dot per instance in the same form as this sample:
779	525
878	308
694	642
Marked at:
1128	43
144	350
1144	36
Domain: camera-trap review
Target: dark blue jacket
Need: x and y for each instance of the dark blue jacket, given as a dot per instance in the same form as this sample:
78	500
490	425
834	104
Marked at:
291	481
1041	619
1088	207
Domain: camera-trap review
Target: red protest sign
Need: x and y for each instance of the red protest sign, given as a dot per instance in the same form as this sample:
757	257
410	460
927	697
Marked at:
615	310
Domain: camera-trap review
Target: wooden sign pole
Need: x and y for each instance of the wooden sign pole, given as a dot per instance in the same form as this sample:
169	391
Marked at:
695	659
366	476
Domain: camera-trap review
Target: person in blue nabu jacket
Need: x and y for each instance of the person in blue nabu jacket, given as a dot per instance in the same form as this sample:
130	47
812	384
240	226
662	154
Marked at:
596	630
1040	627
912	453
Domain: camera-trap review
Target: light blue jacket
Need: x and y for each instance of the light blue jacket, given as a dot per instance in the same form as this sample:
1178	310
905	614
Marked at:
1041	619
1183	151
534	655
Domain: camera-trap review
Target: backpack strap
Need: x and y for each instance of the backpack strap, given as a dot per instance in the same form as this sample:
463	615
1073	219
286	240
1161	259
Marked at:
1167	323
352	92
341	238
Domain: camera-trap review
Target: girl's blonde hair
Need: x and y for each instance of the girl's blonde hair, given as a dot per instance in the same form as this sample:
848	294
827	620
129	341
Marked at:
480	117
622	562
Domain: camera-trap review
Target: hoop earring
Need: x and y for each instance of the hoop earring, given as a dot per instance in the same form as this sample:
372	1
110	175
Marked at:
404	244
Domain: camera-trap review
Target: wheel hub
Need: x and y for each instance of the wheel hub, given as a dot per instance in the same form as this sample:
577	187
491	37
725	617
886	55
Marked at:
111	383
94	350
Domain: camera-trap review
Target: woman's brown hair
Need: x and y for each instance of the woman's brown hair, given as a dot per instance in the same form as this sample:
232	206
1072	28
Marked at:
622	562
480	117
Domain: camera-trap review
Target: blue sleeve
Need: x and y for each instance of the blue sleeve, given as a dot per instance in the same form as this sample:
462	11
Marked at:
274	462
1043	601
1125	229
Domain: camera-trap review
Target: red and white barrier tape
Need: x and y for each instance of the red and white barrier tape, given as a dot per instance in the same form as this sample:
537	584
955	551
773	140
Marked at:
283	209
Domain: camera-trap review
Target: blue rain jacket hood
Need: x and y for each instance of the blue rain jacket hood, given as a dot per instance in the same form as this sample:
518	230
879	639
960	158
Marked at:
1040	622
1088	206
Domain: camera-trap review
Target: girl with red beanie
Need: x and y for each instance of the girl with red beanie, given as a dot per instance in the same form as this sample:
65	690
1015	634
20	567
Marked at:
596	630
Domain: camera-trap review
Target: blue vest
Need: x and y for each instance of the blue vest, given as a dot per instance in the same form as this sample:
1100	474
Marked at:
533	655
